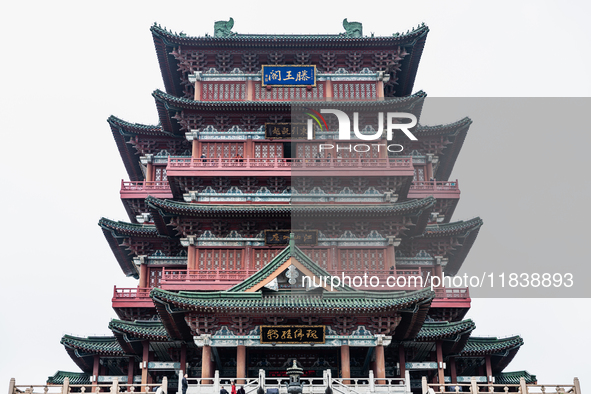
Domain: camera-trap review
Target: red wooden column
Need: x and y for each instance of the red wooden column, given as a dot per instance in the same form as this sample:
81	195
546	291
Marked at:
380	366
240	364
345	364
195	148
95	370
249	89
440	371
328	91
143	282
206	370
198	89
130	367
438	271
401	360
191	258
452	368
488	369
145	359
183	359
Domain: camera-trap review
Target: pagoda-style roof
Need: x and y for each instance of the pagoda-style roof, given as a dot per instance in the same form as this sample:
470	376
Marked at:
152	330
123	132
482	346
455	133
292	302
239	210
277	265
107	346
467	230
514	377
168	105
114	230
445	330
74	378
125	229
166	42
501	351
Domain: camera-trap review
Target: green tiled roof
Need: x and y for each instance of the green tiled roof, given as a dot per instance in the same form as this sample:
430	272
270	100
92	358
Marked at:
442	129
291	301
444	329
171	101
455	228
513	377
477	346
140	329
278	40
281	258
176	207
93	345
74	377
128	128
128	229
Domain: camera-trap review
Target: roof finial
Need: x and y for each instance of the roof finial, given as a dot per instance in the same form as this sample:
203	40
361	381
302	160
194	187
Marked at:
223	28
353	29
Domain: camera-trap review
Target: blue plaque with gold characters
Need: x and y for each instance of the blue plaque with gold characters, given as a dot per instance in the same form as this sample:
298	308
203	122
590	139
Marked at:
289	75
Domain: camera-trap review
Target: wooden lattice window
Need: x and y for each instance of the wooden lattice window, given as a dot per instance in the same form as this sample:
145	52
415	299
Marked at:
361	259
268	150
354	90
222	149
263	256
155	277
223	91
219	259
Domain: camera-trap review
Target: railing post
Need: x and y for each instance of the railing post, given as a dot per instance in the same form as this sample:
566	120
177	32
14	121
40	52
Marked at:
424	385
523	385
11	386
262	379
115	386
474	385
407	381
216	381
66	386
165	385
180	383
372	383
577	386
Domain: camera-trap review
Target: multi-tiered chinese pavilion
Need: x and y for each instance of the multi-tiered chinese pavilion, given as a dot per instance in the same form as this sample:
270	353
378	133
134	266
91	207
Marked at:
221	190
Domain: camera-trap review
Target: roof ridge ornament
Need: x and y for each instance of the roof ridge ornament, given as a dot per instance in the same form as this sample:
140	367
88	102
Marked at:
223	29
352	29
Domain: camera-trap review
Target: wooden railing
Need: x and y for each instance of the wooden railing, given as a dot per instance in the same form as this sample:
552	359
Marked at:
134	292
289	163
453	293
434	186
67	388
200	275
144	185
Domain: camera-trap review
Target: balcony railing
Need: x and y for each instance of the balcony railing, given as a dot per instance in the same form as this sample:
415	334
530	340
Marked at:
460	293
438	189
131	293
289	163
139	189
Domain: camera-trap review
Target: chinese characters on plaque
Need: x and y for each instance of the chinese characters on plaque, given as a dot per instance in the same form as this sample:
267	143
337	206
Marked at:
286	131
292	334
288	75
281	237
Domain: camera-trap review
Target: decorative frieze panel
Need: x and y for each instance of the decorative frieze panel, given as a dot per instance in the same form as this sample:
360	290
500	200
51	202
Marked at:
355	91
289	93
223	91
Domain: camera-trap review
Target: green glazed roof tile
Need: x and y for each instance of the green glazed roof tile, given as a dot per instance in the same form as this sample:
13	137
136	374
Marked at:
439	330
74	377
127	229
455	228
93	345
141	329
513	377
490	345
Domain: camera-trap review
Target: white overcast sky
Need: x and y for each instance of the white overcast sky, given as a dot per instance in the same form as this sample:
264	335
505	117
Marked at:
67	65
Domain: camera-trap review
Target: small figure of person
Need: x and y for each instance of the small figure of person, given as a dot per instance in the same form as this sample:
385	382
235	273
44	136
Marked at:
185	384
223	390
317	157
328	158
339	158
203	158
241	390
233	388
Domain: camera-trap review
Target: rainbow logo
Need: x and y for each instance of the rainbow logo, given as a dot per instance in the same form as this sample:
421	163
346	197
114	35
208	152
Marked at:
317	117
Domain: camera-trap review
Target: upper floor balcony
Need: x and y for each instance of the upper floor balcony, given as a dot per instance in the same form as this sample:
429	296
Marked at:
143	189
437	189
289	166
